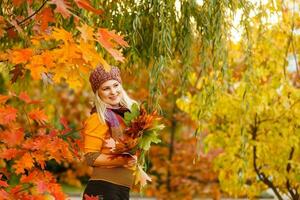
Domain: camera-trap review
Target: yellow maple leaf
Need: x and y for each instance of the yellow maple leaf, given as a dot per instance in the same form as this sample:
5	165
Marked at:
141	176
87	32
36	66
62	34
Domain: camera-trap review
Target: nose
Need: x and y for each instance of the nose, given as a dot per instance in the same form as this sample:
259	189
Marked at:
113	91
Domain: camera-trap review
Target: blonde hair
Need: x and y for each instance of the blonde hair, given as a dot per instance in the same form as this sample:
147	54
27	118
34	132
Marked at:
101	106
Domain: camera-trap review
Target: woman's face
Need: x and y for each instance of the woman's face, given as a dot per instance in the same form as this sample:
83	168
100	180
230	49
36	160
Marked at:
110	92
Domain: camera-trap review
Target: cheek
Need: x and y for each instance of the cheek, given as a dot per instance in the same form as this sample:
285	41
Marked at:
102	94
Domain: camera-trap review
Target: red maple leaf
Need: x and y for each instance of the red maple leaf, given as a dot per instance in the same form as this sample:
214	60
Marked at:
110	40
3	183
41	186
25	97
7	114
85	4
87	197
12	33
44	17
4	194
16	72
64	122
62	7
38	115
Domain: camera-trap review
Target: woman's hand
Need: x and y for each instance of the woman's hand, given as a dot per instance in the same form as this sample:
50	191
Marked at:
115	160
122	145
131	161
126	144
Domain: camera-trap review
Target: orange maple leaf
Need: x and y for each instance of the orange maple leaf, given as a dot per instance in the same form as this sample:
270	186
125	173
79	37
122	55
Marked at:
20	56
26	162
44	17
39	158
38	115
16	189
7	114
30	177
17	3
91	56
25	97
56	192
4	194
3	99
10	153
109	40
85	4
39	64
12	137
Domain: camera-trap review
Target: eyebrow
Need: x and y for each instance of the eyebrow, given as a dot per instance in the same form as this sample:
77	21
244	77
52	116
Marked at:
108	86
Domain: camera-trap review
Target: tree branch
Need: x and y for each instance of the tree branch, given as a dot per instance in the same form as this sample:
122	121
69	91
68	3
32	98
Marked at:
261	175
30	16
171	147
288	168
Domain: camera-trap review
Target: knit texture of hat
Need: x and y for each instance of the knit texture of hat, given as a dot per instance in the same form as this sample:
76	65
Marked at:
99	76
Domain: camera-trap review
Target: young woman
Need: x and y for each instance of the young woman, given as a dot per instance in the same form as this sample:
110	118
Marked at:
105	146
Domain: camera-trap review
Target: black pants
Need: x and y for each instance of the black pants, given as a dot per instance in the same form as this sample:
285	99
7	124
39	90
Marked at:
106	191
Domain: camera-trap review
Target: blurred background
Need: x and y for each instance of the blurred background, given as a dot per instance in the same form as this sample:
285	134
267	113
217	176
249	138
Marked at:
224	75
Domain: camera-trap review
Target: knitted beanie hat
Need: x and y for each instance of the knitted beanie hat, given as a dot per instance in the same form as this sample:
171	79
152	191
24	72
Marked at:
99	76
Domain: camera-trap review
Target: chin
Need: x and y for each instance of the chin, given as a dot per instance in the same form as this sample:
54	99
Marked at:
115	103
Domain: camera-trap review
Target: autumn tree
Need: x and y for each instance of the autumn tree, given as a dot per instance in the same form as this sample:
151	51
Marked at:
169	40
253	116
42	43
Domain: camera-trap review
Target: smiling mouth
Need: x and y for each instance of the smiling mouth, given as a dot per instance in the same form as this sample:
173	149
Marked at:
114	97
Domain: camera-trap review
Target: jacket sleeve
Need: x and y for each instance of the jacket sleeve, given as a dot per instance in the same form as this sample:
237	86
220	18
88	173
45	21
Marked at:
94	133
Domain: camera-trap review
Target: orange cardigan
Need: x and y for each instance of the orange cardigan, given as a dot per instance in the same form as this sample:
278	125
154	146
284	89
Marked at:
94	134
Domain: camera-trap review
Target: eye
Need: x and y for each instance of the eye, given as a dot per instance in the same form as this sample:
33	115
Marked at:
105	89
116	85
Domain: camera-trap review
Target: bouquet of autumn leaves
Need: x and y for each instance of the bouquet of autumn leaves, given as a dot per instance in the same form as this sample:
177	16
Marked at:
141	129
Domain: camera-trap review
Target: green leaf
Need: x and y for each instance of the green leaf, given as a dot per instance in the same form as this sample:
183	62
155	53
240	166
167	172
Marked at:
134	113
14	179
76	135
148	138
